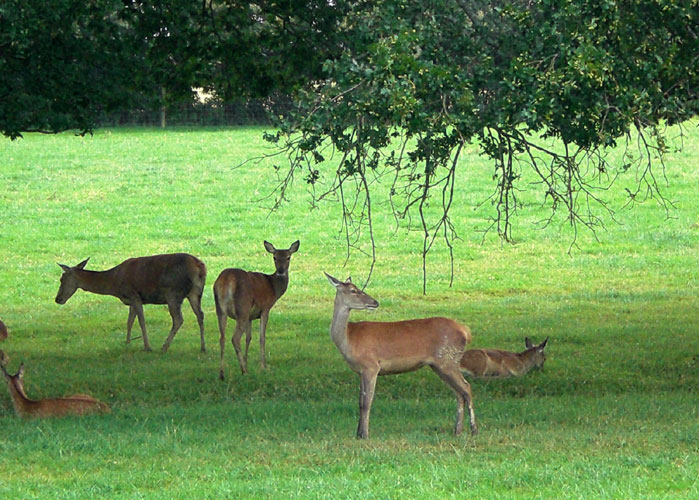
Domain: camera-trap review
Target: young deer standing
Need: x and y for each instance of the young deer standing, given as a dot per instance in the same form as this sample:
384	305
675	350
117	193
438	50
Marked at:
158	279
503	364
385	348
246	296
78	404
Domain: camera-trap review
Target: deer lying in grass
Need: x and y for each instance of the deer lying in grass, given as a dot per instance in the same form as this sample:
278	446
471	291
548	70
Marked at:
158	279
246	296
383	348
502	364
78	404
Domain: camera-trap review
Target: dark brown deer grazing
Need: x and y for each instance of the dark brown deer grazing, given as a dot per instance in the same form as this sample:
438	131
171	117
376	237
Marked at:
246	296
78	404
385	348
158	279
486	363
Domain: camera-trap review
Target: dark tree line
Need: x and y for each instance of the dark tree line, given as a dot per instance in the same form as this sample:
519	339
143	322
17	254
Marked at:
63	63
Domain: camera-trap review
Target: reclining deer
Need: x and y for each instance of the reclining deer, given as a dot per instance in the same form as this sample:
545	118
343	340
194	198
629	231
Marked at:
158	279
78	404
246	296
486	363
385	348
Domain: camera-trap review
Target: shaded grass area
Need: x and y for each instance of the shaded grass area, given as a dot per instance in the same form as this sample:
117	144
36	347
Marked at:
613	414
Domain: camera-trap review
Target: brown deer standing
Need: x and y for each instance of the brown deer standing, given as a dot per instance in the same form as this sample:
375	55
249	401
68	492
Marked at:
502	364
385	348
78	404
246	296
158	279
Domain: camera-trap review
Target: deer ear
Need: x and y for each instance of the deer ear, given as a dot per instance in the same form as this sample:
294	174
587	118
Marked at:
349	279
64	267
528	343
543	344
294	246
333	281
82	264
20	372
269	247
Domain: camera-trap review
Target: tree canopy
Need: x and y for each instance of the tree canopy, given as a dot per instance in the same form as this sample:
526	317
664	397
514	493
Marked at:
421	79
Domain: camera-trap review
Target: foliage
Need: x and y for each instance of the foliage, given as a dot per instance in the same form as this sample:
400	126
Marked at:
65	62
421	80
62	62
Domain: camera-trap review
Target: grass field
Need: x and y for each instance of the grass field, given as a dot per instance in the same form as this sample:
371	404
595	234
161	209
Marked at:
615	413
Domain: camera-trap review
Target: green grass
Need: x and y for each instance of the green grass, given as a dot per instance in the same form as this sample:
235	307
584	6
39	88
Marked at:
613	415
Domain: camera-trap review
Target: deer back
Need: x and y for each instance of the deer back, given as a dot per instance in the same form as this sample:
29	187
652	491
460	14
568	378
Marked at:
79	404
236	290
407	345
153	278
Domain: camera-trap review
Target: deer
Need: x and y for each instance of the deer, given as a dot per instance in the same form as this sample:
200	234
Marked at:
156	279
486	363
373	348
77	404
246	296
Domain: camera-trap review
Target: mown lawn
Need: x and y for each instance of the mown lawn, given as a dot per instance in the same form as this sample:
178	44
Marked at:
613	415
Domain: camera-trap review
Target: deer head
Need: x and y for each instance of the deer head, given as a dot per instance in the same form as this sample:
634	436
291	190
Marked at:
69	282
539	356
350	295
282	258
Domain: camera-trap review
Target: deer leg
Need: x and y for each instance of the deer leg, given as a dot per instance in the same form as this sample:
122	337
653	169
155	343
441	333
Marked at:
222	320
263	330
195	301
248	337
175	308
366	396
129	323
240	327
138	307
462	389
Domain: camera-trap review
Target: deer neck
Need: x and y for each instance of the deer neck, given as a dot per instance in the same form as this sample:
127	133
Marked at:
280	282
338	327
23	405
99	282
